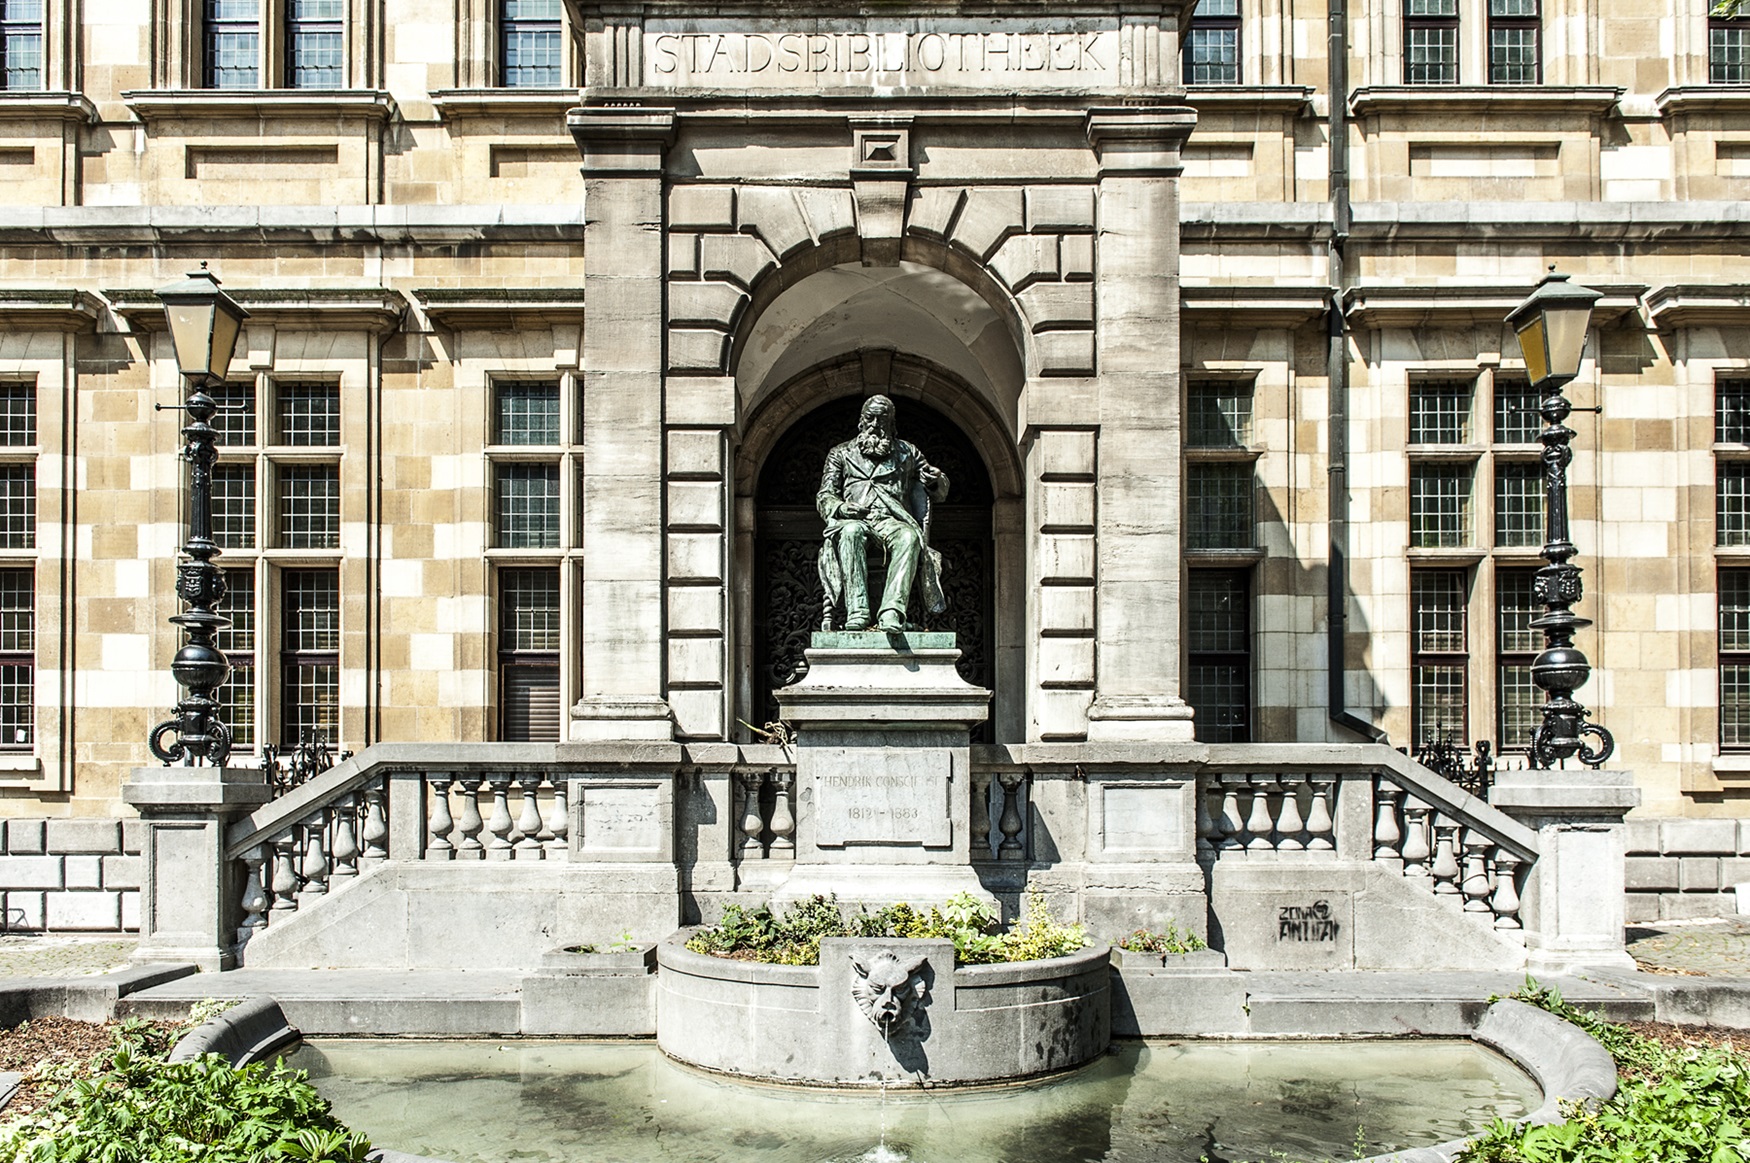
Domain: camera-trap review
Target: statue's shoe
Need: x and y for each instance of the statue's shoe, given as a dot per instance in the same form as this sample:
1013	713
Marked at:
891	623
856	625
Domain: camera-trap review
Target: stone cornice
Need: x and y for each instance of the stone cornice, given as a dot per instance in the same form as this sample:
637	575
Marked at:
266	225
48	309
1288	100
1545	100
1700	305
1590	222
500	309
1703	99
373	309
46	106
629	13
457	104
151	105
1465	305
1274	305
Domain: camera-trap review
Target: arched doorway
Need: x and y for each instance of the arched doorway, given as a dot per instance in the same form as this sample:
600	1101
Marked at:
787	597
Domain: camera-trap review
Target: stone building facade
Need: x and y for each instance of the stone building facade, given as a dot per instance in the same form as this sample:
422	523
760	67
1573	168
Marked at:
552	302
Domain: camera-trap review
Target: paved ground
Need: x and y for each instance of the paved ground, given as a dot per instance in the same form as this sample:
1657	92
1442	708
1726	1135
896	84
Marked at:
1714	947
61	956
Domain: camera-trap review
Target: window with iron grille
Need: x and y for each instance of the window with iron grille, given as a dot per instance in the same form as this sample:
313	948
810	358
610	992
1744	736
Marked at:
1218	636
1218	505
1518	504
1516	418
1732	411
1514	29
233	44
1440	411
1212	44
237	696
1439	655
1430	42
17	414
1728	51
308	413
1518	701
527	412
309	506
528	655
314	44
21	43
528	505
1440	505
310	656
234	506
18	506
1218	414
234	420
532	43
1732	502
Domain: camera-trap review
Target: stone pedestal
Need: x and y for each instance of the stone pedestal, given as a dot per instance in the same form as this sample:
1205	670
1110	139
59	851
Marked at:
1572	898
883	769
188	889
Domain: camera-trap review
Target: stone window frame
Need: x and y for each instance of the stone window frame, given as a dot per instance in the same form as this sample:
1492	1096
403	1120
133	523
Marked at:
481	48
1437	651
1513	657
185	63
265	560
1474	22
16	29
1726	36
1506	17
1240	661
1200	21
19	453
297	658
566	455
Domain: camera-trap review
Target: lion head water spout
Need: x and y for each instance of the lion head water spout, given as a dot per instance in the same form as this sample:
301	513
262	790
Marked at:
889	991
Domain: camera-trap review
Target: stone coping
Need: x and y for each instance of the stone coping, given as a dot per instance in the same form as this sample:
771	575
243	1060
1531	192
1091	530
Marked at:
674	954
249	1031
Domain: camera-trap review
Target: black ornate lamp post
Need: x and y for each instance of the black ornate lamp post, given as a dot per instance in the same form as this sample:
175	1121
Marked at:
204	323
1552	326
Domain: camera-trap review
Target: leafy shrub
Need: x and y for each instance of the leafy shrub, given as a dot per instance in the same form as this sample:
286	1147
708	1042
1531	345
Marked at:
1672	1105
1172	939
794	937
131	1106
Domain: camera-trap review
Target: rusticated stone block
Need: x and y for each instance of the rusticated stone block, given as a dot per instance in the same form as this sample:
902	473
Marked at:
696	350
990	215
1025	259
31	872
1053	305
701	208
829	212
1076	257
739	258
705	304
1651	873
82	872
933	208
1698	874
101	837
1060	208
773	213
1694	837
24	837
99	912
1065	353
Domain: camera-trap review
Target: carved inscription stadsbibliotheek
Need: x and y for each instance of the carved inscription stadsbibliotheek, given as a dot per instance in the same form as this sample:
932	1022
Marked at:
1000	53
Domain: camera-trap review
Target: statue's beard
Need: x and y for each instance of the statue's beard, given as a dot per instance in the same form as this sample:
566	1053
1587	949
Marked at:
874	443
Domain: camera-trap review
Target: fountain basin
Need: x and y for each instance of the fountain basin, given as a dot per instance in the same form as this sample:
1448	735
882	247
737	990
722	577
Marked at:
805	1024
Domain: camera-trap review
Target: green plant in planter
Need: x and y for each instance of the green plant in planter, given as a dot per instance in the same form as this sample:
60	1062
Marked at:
621	944
1172	939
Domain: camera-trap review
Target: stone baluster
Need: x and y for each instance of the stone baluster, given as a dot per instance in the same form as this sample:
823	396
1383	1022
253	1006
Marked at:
439	827
500	825
1416	848
1289	825
1445	857
1321	831
314	872
1506	900
559	820
376	834
345	849
1387	836
753	823
471	824
980	812
254	900
1009	823
285	875
1207	831
528	824
1233	829
783	816
1476	873
1260	822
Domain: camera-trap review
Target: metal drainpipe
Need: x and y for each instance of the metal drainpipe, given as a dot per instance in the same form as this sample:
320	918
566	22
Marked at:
1337	370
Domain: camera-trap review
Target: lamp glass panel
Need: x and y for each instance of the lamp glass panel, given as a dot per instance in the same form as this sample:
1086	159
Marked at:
225	329
1531	346
191	326
1567	338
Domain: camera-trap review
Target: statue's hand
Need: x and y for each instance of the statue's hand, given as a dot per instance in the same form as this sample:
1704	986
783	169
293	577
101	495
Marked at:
852	512
929	474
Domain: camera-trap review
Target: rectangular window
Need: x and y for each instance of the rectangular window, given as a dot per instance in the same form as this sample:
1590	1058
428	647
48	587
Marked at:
528	506
1728	52
528	412
17	414
1440	411
1732	411
1439	655
1440	505
309	506
1734	642
1219	414
1212	44
21	43
1218	681
18	506
234	506
1518	701
233	44
1516	418
237	696
314	44
532	41
1518	505
1218	505
235	419
1430	42
1732	502
528	655
308	414
17	658
1514	27
310	656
